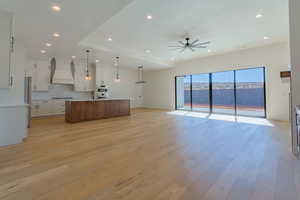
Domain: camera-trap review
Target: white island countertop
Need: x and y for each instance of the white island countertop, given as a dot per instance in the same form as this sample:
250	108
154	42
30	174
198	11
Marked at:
104	99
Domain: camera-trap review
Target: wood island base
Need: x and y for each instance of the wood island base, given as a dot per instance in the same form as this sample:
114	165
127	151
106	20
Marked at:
77	111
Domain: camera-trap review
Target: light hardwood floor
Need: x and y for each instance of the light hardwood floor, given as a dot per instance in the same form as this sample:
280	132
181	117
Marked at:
153	155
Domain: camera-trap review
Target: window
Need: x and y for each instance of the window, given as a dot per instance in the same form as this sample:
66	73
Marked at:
223	92
239	92
250	92
200	93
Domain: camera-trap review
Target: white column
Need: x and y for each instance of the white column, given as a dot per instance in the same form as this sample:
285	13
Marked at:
295	61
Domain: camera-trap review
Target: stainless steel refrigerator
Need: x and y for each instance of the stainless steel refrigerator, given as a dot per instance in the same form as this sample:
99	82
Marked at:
27	97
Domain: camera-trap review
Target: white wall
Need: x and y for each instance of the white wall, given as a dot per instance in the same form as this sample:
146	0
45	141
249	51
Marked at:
126	88
160	88
295	62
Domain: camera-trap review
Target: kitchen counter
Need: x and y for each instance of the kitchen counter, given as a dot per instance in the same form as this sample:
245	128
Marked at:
90	109
108	99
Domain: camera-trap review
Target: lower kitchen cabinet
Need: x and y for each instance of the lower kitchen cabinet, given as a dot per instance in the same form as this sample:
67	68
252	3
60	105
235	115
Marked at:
99	109
47	108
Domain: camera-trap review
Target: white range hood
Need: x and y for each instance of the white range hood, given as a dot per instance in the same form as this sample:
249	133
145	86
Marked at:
63	77
63	74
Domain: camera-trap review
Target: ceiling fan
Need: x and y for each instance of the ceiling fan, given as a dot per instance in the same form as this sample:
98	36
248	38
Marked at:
196	44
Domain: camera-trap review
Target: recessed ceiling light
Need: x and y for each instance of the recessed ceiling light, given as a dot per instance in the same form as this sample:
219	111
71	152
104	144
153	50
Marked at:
97	61
109	39
73	57
56	35
43	51
149	17
148	51
266	38
56	8
258	16
48	44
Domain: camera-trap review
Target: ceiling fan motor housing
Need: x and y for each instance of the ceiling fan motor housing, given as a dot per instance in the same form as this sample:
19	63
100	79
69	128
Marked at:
187	41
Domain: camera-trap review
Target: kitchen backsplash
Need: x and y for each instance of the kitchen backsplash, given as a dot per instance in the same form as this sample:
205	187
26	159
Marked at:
60	91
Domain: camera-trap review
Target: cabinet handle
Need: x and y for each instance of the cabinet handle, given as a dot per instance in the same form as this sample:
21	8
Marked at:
11	80
12	44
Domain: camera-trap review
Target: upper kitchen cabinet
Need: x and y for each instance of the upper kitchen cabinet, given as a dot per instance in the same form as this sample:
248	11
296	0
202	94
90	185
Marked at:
6	49
40	73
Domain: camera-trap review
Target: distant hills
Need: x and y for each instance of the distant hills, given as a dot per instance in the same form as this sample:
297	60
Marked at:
224	85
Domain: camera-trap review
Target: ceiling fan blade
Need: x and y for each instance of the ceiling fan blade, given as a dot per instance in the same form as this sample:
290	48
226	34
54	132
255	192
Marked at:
183	50
203	43
200	47
176	49
191	49
176	46
195	42
180	42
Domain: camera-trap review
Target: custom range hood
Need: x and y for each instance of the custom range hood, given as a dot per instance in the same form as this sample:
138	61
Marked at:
62	73
140	71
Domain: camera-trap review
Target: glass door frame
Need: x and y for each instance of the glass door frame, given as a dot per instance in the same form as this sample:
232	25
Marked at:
191	95
211	96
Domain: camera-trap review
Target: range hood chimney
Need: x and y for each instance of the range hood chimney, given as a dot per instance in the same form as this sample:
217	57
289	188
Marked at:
61	73
140	80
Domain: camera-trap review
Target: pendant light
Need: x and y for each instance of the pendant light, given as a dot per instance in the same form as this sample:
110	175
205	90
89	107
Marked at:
117	79
87	75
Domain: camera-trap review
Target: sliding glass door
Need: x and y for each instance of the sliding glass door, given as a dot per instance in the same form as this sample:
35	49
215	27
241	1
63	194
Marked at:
200	93
236	92
250	92
183	93
223	92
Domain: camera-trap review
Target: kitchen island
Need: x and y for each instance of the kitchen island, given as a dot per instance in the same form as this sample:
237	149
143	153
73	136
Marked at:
85	110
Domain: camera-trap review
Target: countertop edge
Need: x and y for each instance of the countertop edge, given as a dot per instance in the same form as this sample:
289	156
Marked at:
96	100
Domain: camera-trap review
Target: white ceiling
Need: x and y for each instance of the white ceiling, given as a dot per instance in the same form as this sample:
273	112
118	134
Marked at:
35	22
229	25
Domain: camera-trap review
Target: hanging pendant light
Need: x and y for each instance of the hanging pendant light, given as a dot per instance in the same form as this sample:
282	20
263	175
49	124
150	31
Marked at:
87	75
117	78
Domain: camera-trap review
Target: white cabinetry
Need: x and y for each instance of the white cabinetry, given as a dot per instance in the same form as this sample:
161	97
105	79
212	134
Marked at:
6	49
41	108
82	85
40	73
58	107
47	107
